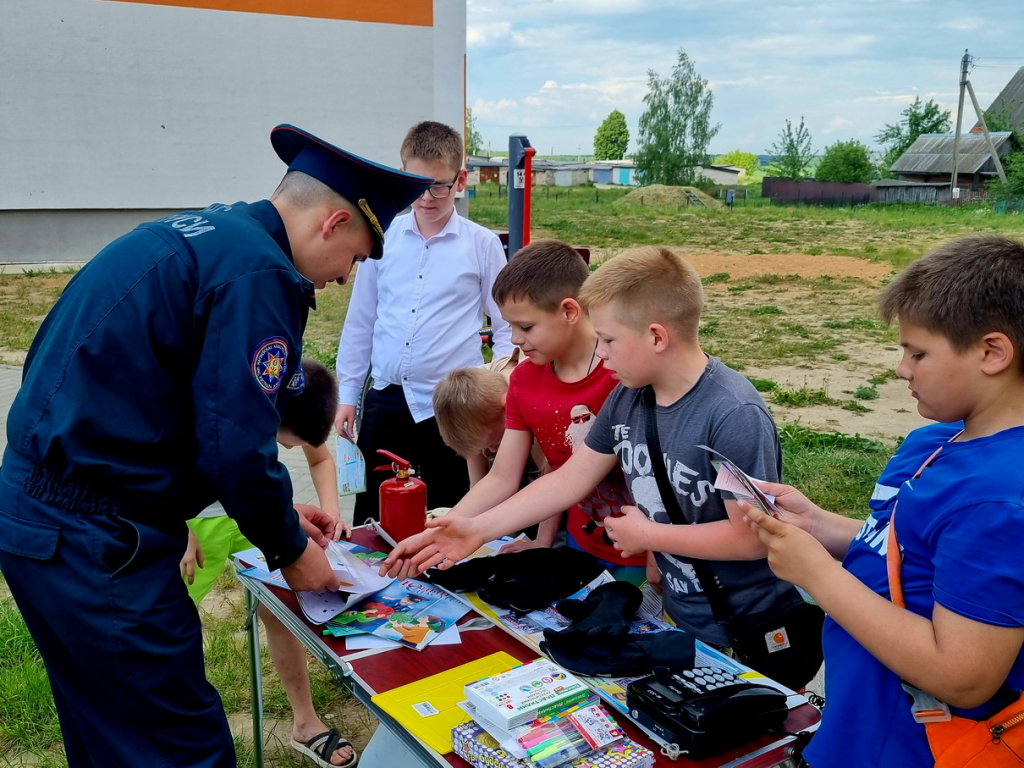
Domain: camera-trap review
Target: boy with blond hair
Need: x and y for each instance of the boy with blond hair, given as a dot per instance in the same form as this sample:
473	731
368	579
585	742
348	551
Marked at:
645	306
537	293
415	315
469	405
951	531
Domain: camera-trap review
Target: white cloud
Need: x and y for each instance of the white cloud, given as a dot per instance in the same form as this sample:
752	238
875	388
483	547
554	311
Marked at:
964	23
835	124
482	34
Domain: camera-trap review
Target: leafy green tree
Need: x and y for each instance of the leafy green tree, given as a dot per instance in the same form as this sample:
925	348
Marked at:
612	137
917	119
746	160
676	128
474	141
845	161
792	152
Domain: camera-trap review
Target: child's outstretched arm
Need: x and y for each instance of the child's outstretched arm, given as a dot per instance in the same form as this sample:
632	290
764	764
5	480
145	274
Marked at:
324	473
451	538
503	479
956	659
835	532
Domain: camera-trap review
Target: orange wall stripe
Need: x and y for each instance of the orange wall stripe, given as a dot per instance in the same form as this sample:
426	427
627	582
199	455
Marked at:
418	13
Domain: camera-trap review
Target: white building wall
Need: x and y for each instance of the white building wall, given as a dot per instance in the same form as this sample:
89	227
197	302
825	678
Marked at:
108	106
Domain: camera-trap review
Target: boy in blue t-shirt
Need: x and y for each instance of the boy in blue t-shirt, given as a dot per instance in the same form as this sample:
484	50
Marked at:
956	494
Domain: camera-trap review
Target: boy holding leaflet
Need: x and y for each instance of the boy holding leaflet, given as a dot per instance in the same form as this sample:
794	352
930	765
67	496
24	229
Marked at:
950	535
645	306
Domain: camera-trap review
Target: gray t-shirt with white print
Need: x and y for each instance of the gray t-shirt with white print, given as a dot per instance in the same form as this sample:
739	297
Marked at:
722	411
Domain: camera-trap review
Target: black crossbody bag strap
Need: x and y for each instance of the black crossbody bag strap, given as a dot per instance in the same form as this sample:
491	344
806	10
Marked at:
708	580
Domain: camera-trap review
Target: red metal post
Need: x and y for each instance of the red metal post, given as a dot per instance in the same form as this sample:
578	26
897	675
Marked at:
528	193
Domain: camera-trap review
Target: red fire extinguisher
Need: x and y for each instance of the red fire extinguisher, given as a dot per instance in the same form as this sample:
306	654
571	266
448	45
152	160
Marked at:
403	499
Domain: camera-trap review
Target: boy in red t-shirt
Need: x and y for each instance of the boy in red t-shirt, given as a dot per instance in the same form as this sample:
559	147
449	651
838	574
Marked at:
555	399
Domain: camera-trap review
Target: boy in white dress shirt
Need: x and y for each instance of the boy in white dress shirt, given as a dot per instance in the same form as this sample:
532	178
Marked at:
414	315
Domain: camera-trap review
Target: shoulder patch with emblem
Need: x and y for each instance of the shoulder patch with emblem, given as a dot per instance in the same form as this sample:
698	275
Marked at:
298	381
269	362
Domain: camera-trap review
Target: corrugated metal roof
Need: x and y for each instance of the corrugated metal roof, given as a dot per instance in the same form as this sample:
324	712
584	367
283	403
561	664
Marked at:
905	183
933	153
1011	98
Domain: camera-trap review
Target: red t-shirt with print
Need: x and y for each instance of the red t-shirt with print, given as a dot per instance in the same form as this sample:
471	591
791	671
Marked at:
559	415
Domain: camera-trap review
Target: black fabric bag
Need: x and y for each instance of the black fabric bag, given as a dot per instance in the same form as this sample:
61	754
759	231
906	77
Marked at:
524	581
786	645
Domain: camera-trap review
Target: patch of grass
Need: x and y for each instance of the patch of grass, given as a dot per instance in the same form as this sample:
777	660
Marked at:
841	357
762	385
772	279
28	718
741	287
717	277
835	470
866	393
854	407
888	375
856	323
803	397
764	310
710	328
815	251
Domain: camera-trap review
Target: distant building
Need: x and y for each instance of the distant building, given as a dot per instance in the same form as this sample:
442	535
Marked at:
930	158
719	174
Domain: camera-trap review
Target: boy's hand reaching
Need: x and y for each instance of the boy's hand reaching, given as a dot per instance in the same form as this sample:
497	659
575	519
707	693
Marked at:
193	558
446	541
630	531
794	555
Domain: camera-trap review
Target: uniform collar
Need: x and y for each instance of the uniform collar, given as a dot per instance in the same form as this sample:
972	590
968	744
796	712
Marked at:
267	215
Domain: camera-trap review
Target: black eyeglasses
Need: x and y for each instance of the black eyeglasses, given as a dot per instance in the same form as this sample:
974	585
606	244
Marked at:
441	191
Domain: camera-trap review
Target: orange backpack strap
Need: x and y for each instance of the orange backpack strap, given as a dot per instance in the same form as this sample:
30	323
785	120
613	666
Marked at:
894	562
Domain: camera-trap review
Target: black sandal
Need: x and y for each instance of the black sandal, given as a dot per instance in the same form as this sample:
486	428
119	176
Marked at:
321	747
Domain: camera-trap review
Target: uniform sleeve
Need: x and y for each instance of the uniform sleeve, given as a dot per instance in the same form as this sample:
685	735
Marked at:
977	563
251	329
748	437
356	343
494	261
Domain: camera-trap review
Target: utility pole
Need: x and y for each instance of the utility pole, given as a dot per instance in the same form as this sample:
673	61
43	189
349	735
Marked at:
959	119
965	85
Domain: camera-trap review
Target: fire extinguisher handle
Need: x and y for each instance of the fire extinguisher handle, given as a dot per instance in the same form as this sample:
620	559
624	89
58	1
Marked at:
394	459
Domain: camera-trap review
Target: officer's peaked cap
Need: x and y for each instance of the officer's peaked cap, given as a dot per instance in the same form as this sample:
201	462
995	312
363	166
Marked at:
380	192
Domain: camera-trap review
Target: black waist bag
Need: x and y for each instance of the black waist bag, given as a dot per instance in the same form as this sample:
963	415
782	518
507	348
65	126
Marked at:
785	646
523	581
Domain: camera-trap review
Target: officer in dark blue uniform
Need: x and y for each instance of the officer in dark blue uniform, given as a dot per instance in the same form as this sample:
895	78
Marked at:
152	389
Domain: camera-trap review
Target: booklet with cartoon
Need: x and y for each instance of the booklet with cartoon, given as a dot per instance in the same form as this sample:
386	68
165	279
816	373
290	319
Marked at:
408	612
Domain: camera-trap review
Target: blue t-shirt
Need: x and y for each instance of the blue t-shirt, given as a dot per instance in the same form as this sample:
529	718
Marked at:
960	525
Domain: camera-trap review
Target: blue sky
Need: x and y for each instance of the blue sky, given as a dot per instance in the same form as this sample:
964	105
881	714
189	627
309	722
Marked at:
554	69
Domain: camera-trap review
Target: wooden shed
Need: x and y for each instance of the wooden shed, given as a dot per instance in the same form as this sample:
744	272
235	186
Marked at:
930	158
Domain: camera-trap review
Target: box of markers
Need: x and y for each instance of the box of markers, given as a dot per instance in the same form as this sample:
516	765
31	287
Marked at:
525	693
473	744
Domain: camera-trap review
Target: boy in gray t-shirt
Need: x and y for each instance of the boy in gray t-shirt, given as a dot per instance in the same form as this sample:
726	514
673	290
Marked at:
722	411
645	306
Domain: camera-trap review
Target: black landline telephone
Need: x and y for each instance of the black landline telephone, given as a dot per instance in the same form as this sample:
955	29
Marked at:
704	710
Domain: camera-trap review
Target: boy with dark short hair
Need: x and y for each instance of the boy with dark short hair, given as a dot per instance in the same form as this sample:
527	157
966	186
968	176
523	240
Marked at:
951	530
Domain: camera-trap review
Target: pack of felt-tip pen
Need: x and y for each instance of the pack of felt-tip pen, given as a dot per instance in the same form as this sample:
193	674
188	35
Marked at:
524	693
577	734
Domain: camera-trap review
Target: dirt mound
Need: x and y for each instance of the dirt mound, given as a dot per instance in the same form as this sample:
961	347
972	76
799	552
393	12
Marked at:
659	194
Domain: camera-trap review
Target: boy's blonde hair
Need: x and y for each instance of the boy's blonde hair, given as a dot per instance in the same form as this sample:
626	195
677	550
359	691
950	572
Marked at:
646	285
469	404
545	272
963	290
431	141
